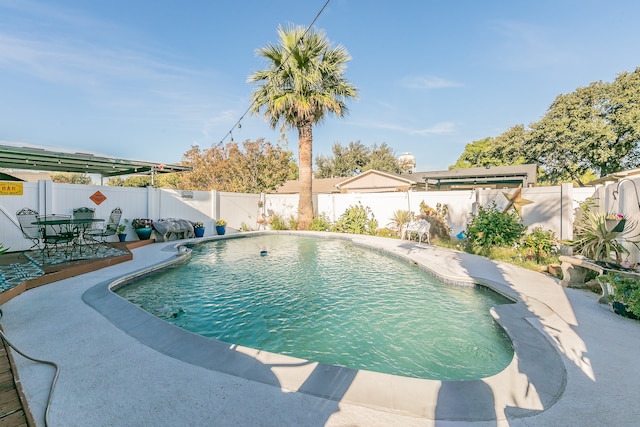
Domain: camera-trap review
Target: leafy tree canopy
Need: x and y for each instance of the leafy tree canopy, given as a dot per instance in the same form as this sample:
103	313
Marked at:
165	180
591	132
505	149
257	167
72	178
355	158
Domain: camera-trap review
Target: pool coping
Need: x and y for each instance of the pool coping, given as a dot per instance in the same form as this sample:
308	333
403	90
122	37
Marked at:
533	381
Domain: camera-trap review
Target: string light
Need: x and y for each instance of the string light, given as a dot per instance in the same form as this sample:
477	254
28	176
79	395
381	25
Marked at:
300	41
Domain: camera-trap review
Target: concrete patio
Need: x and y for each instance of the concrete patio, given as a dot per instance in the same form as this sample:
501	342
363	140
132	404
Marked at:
576	361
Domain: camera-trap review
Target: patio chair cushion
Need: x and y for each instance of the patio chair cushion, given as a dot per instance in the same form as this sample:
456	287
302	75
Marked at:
173	228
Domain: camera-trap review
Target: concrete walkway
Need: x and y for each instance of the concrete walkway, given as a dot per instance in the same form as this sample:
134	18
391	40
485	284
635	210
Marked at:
576	362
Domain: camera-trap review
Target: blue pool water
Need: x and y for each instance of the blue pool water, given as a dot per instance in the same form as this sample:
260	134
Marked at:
329	301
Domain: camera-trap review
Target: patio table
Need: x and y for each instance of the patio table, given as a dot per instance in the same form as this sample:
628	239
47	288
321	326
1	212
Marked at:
56	230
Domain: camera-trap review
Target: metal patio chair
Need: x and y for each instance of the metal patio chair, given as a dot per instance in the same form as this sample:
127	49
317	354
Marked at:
83	229
110	228
84	213
57	238
27	219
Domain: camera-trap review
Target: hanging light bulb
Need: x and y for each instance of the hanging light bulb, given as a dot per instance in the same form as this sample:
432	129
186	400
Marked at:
239	126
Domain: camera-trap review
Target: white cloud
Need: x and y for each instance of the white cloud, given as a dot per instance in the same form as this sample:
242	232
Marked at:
525	45
436	129
428	82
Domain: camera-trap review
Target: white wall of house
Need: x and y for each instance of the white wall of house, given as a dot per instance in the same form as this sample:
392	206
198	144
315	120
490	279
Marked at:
552	207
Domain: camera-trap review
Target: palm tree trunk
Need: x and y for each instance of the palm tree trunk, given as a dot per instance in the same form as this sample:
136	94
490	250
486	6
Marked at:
305	202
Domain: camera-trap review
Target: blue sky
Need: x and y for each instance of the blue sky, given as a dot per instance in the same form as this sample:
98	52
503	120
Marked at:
146	80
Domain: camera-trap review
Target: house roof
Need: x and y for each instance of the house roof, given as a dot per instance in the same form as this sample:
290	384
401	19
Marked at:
24	176
30	158
371	180
525	175
375	180
392	176
318	186
615	176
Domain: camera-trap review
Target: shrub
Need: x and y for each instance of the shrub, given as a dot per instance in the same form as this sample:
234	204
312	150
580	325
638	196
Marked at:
320	223
491	227
277	222
399	218
386	232
539	245
293	223
357	220
626	291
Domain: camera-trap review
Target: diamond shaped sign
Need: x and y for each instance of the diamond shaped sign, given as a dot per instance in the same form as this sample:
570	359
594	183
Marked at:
98	197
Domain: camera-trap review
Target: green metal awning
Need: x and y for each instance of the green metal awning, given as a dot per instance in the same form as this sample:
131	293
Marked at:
29	158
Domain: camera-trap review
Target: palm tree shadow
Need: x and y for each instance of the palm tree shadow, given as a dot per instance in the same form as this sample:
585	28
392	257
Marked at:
465	401
536	377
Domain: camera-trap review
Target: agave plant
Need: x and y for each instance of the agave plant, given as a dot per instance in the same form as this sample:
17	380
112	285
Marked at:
596	240
399	218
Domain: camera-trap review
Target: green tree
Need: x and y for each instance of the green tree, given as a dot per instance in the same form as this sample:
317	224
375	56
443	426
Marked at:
383	158
204	174
355	158
256	167
571	135
475	154
72	178
591	132
130	181
344	161
593	129
506	149
303	84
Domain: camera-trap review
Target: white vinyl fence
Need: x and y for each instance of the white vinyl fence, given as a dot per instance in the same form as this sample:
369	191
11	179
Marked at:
549	207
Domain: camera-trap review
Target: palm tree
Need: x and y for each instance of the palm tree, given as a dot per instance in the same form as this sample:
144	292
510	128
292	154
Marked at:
304	82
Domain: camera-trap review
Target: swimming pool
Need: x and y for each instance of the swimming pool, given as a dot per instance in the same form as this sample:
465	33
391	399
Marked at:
330	301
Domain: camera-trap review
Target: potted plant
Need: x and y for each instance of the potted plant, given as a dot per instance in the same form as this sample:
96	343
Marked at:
623	291
616	222
198	228
595	240
121	230
143	227
221	226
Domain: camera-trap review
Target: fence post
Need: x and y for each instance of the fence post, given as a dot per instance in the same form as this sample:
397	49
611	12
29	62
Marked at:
45	197
215	205
566	211
153	208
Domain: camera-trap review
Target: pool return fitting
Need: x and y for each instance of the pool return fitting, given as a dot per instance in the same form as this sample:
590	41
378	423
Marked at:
46	362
